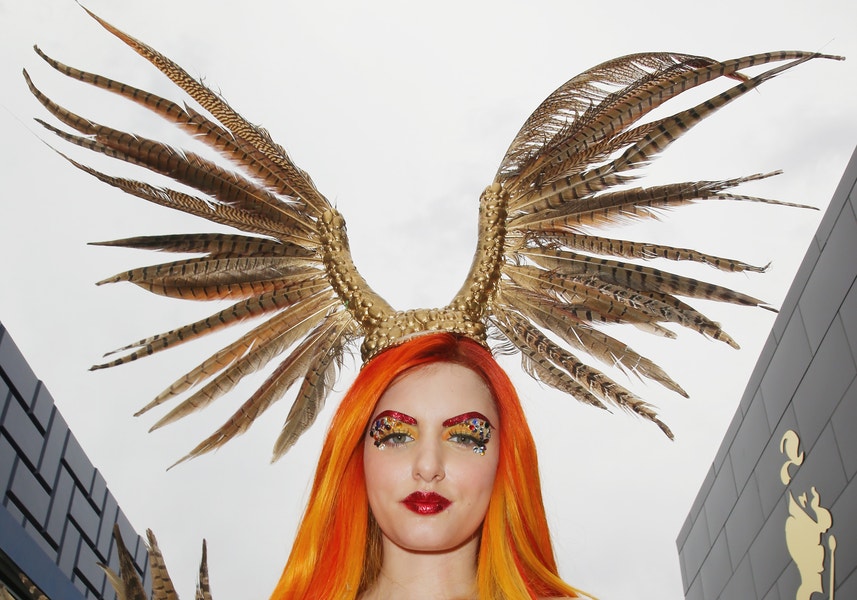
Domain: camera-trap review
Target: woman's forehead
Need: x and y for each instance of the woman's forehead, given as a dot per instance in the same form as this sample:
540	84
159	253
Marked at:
437	392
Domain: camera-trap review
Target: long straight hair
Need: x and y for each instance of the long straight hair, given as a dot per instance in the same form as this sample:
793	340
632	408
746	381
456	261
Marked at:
336	554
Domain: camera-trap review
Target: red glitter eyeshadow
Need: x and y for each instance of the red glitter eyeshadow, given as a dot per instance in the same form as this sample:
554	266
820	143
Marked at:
466	417
401	417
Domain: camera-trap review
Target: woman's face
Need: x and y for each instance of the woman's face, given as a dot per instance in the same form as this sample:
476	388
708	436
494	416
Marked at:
430	457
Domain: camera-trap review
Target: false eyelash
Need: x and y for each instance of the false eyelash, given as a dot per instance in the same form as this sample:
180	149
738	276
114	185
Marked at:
387	439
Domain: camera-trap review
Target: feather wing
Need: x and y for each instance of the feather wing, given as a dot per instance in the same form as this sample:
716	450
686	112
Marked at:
567	173
245	356
296	365
278	267
326	354
570	370
253	138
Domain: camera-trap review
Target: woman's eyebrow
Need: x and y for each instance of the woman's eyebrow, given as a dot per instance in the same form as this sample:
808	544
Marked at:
396	415
465	417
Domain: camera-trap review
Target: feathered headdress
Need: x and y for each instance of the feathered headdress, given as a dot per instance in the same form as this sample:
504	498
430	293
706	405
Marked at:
539	283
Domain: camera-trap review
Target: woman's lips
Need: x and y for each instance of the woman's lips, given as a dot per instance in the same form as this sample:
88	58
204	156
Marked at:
426	503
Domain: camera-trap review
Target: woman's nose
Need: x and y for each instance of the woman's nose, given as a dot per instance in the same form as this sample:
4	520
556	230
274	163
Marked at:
428	461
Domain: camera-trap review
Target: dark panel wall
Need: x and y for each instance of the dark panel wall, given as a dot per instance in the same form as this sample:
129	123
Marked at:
749	534
56	513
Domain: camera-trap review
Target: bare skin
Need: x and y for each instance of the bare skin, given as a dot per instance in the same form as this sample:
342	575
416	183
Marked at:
406	574
430	556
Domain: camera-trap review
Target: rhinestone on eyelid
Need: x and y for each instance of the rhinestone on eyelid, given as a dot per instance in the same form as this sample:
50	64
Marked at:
378	428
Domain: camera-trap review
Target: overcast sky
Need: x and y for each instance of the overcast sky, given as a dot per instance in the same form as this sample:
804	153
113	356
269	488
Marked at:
401	115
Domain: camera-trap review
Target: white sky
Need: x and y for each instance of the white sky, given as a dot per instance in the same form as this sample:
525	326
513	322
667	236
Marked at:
401	115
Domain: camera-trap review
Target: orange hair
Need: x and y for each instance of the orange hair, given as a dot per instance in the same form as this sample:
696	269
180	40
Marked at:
336	554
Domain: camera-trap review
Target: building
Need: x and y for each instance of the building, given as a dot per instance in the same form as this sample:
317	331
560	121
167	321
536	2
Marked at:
56	513
776	517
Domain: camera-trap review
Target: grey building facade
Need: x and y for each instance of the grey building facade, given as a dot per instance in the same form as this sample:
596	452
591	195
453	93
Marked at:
56	513
776	517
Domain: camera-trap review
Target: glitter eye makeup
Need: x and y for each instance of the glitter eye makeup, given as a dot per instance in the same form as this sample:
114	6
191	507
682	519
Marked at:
392	428
471	429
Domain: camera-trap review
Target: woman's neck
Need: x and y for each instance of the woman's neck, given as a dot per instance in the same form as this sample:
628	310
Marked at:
447	575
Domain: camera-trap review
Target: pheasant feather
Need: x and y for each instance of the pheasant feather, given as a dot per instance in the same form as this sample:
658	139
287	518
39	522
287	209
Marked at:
126	583
304	411
214	245
129	586
263	345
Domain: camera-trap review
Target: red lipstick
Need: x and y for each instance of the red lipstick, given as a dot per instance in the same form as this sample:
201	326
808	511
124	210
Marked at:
426	503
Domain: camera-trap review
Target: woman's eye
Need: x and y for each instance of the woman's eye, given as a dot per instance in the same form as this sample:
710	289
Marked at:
387	430
394	440
472	434
464	440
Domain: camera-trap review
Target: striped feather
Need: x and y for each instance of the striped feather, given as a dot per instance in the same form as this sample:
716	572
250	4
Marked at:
240	311
297	180
651	140
542	369
583	123
320	375
554	317
636	277
223	214
241	153
250	353
629	249
220	278
524	335
203	588
568	211
213	245
569	292
127	583
162	585
293	367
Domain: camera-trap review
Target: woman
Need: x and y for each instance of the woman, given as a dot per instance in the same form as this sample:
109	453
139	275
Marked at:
491	541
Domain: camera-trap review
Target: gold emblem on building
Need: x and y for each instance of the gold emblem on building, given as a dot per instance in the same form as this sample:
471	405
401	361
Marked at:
806	526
